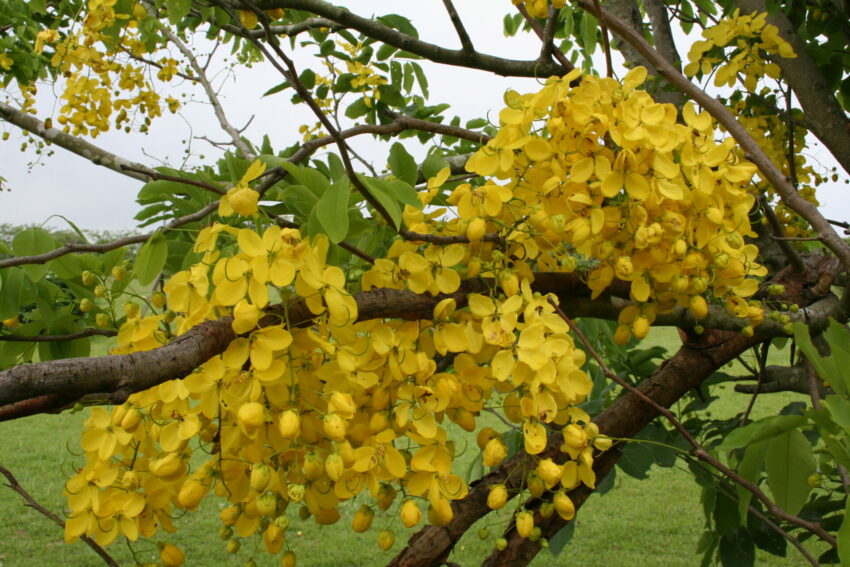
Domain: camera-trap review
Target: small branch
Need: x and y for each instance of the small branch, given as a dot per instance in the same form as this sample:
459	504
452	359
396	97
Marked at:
606	45
155	175
791	539
437	239
371	27
82	148
32	503
548	37
762	361
465	41
234	134
541	33
698	450
54	338
107	246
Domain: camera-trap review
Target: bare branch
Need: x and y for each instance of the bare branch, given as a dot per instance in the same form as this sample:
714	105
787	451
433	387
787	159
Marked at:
55	338
107	246
465	41
212	95
32	503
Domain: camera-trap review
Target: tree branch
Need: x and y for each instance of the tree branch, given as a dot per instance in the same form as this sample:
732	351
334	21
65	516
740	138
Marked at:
107	246
32	503
457	57
462	35
82	148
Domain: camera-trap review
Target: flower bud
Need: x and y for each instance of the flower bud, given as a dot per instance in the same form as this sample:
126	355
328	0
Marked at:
497	497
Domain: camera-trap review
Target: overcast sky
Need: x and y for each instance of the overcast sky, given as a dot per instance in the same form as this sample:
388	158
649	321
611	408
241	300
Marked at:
97	198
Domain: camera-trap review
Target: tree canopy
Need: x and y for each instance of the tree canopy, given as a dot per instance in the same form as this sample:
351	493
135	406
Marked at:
302	328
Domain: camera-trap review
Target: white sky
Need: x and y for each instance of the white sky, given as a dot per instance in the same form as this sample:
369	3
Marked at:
96	198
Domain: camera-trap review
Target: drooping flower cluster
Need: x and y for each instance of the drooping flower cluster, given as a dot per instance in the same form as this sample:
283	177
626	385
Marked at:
98	75
753	41
309	413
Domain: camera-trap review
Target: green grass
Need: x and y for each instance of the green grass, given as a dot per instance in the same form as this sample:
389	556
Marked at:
654	522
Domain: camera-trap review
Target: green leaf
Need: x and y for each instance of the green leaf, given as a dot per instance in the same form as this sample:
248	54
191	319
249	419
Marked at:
760	430
750	469
839	410
788	462
31	242
391	96
332	210
277	88
725	514
66	267
308	177
177	10
560	540
383	194
11	288
55	350
357	109
830	368
588	28
308	78
151	258
385	52
432	165
420	78
737	549
402	164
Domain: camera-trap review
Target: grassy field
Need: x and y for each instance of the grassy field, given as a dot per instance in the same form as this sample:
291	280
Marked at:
655	522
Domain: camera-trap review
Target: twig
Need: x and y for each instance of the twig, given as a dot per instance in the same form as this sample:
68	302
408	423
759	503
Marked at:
606	46
32	503
698	450
155	175
107	246
465	41
540	32
438	239
548	34
235	137
762	361
53	338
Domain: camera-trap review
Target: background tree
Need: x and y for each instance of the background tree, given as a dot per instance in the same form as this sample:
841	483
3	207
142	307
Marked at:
301	328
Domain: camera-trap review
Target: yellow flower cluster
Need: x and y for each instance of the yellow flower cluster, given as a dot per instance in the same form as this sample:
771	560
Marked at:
96	77
602	173
751	38
311	416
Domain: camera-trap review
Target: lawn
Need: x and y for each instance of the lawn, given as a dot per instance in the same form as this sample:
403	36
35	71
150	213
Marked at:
654	522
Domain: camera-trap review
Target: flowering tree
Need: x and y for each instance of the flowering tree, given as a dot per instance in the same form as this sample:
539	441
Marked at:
323	329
